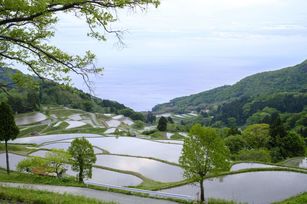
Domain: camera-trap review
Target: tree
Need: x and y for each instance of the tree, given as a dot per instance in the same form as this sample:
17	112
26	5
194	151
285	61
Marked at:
261	155
150	118
162	124
8	129
257	135
35	165
83	157
203	152
170	120
293	145
26	27
277	130
138	124
57	161
54	162
235	143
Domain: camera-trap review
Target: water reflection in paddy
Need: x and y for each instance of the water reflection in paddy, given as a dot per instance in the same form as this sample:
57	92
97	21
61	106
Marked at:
98	175
14	159
138	147
149	168
241	166
253	187
62	145
50	138
30	118
109	177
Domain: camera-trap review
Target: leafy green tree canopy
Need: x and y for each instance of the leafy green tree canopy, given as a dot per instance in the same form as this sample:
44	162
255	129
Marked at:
55	162
35	165
25	27
83	157
257	135
203	152
8	128
162	124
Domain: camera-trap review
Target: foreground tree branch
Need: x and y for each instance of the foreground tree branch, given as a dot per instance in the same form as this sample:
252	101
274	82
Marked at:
26	25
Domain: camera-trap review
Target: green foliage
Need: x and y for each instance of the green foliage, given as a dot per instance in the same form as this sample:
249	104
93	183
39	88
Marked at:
298	199
31	131
18	177
260	155
19	195
8	128
162	124
83	157
50	93
29	45
235	143
250	101
170	120
293	145
132	114
150	118
284	144
57	160
177	136
35	165
257	136
203	152
138	124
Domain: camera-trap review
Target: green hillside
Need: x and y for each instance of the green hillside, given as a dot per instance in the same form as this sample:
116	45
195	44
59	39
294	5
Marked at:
291	79
24	98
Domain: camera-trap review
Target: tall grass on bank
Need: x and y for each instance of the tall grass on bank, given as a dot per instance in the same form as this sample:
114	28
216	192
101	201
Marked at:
28	196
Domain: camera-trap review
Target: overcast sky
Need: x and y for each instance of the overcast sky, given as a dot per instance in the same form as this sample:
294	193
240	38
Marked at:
185	47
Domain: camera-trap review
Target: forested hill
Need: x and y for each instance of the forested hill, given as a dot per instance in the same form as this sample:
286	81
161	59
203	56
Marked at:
287	80
29	98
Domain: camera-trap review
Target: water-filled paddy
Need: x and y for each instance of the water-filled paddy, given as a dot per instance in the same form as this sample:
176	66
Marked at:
98	175
252	187
242	166
138	147
110	177
303	163
50	138
58	145
14	159
152	169
30	118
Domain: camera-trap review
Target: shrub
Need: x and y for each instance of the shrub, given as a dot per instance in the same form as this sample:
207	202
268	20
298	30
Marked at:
261	155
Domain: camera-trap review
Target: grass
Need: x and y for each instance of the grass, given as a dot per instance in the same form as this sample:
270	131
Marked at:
32	129
16	148
177	136
64	113
16	177
29	196
158	135
61	126
298	199
88	129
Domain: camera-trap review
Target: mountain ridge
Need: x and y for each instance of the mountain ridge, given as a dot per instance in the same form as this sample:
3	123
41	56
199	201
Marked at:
289	79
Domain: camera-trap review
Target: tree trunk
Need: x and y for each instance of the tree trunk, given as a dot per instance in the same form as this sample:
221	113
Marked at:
81	174
7	158
202	193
